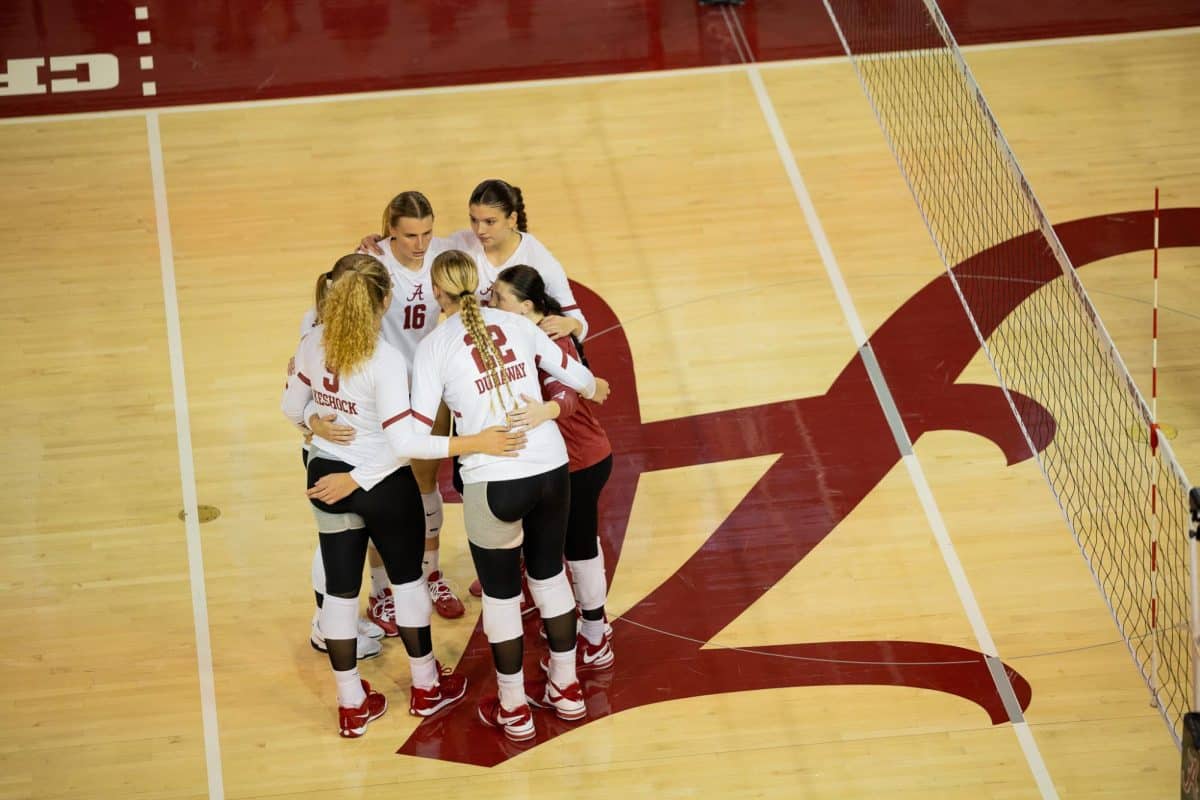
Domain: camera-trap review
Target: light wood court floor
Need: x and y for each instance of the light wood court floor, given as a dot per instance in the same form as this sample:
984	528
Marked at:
667	196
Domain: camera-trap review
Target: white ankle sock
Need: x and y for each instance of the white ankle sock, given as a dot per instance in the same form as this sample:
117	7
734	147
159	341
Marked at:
562	668
424	671
349	688
379	580
512	688
430	562
434	515
592	630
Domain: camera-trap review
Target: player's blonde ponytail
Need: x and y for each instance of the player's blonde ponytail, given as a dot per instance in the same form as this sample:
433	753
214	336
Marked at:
352	308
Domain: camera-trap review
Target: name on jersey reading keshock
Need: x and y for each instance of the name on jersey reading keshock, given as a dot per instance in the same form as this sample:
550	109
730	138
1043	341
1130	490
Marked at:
486	383
334	402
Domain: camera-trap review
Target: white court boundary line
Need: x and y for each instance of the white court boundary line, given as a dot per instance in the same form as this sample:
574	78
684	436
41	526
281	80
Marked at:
574	80
175	345
187	466
958	576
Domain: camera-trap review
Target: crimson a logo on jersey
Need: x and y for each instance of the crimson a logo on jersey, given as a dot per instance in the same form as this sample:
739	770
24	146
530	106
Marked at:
418	293
835	448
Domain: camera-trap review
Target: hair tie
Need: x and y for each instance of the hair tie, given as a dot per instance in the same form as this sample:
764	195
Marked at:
465	293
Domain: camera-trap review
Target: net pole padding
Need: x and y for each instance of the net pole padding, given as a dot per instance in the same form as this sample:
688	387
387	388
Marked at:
1193	546
1154	335
1153	440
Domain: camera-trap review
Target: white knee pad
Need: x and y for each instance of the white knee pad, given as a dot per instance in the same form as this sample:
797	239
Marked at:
318	572
339	617
588	577
328	522
553	595
434	515
413	606
502	619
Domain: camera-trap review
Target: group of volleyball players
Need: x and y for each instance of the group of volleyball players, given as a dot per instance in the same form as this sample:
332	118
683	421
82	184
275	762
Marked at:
421	348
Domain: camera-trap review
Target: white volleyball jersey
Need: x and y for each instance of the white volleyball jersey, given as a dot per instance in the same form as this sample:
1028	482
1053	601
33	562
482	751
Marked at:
448	368
414	312
531	253
373	399
308	322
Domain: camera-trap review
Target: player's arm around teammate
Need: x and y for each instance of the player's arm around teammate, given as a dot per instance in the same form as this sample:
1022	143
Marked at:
365	490
479	361
368	632
499	237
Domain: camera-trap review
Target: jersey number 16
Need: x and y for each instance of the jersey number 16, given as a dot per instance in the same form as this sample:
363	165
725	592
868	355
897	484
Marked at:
414	317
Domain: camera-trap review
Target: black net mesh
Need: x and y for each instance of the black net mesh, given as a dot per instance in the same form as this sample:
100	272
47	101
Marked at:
1053	347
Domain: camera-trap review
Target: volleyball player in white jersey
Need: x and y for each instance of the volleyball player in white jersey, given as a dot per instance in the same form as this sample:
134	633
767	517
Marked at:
365	489
498	238
479	361
368	632
407	248
408	252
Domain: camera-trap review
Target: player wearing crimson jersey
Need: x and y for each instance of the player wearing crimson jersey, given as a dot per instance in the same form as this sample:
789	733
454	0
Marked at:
521	290
364	489
481	361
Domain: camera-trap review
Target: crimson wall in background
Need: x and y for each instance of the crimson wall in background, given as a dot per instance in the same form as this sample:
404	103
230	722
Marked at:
62	56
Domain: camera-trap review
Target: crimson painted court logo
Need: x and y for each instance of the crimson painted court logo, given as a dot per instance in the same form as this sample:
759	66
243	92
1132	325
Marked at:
835	448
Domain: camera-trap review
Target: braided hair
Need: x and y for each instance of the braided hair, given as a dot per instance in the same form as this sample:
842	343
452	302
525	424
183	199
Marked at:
455	273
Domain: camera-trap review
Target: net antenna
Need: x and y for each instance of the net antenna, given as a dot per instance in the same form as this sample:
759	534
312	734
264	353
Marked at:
1065	382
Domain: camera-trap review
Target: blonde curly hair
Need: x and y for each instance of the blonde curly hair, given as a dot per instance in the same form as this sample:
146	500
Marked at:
351	309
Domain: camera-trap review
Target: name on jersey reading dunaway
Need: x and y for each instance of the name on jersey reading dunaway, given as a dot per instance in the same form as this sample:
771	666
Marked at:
515	372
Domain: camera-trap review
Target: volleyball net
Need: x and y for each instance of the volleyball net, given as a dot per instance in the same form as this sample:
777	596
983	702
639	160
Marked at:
1120	488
